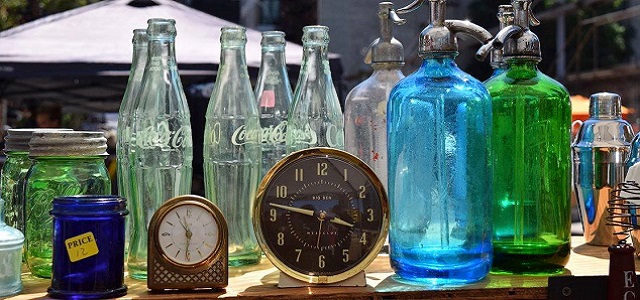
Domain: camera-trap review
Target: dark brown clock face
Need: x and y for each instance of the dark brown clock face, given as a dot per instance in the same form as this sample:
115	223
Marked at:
322	214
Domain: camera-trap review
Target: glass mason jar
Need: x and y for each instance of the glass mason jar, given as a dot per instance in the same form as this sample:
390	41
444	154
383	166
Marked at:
14	172
88	243
64	164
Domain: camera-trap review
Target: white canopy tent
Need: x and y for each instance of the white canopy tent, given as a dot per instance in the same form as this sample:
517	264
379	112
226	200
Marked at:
82	56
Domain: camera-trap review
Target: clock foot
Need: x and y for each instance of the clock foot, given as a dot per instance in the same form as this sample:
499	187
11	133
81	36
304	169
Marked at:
287	281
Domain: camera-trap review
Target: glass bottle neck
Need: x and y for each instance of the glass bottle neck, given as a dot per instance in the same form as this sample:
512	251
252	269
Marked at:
440	63
522	68
138	60
387	66
162	53
315	63
273	58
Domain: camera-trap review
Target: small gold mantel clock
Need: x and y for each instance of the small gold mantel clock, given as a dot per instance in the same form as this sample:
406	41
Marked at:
321	216
187	246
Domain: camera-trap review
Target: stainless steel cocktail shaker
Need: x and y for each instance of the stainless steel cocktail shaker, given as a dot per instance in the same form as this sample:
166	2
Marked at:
600	151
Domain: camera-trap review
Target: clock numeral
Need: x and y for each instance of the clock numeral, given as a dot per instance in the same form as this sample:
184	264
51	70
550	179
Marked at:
166	234
189	212
345	174
370	212
321	261
345	255
362	193
281	191
272	215
280	238
363	238
299	251
299	174
322	169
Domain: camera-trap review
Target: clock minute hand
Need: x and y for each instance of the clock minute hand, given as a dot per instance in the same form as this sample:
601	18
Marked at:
339	221
303	211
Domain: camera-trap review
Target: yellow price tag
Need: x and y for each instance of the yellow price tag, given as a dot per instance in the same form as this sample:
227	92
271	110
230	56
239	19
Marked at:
81	246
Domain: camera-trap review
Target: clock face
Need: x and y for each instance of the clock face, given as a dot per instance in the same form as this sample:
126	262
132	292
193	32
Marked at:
188	234
321	213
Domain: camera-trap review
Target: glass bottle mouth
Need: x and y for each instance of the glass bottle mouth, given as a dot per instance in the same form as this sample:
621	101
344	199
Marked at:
315	35
273	39
233	36
161	28
140	38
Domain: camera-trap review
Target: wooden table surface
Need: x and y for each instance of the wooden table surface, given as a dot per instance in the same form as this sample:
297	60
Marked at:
259	281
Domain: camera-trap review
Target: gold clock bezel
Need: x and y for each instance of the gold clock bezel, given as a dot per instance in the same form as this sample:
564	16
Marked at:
169	206
321	152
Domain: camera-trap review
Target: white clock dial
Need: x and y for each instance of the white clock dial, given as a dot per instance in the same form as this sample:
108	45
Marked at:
188	234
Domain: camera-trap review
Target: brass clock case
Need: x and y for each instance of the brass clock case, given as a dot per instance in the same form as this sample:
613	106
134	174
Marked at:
164	272
321	215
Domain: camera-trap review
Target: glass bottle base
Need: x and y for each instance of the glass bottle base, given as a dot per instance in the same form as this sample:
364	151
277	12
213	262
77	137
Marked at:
417	272
41	270
244	260
62	294
10	290
530	259
139	273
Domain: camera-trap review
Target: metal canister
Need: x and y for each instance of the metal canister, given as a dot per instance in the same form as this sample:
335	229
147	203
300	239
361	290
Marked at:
600	151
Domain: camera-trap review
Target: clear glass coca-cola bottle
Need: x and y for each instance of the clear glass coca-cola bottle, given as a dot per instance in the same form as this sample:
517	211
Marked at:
316	119
162	148
274	97
232	152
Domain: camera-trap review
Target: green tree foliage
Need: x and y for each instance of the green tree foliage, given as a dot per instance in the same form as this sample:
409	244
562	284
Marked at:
16	12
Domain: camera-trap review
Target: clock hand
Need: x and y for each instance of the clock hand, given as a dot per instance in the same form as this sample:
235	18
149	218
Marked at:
303	211
339	221
321	218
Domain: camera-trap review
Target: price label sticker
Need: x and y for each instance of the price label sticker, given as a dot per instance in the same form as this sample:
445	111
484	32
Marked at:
268	99
81	246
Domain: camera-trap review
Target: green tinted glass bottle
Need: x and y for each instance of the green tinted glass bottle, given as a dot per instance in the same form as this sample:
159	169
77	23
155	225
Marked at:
531	159
64	164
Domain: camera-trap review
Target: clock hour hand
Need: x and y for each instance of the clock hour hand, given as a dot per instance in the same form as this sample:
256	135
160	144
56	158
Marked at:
339	221
303	211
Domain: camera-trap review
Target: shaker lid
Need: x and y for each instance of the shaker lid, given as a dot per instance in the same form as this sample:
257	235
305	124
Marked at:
605	105
69	143
18	139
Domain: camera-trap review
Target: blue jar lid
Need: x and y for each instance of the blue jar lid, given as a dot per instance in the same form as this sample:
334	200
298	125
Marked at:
89	205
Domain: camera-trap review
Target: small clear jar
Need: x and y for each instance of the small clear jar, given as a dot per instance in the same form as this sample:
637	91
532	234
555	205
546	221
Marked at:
88	247
14	172
64	164
11	240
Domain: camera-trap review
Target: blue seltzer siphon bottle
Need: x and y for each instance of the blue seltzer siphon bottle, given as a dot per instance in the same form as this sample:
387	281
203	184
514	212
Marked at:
232	152
365	108
163	149
439	128
316	119
274	96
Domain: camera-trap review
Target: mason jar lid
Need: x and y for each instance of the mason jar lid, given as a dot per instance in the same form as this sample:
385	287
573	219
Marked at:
89	205
18	139
68	143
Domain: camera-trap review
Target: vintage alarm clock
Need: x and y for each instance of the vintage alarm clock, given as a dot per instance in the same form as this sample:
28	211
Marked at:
187	246
321	216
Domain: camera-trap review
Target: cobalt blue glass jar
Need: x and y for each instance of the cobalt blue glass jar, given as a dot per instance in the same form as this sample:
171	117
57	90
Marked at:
88	247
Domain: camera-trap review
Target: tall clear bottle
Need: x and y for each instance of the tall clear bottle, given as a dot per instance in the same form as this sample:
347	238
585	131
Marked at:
124	151
125	114
274	97
439	129
232	152
365	108
531	153
316	119
163	149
